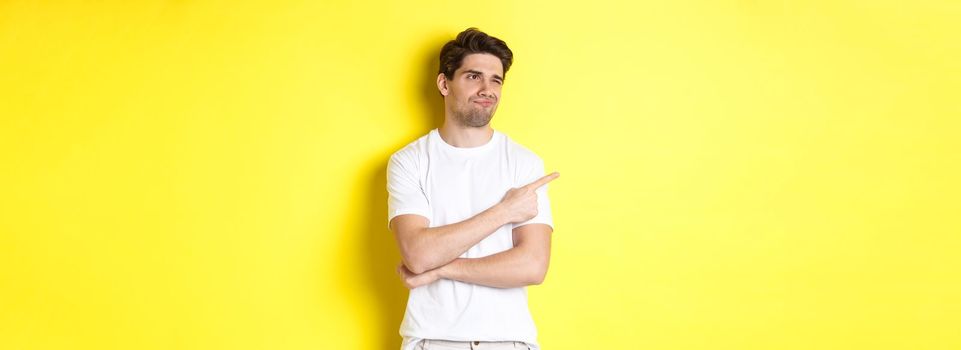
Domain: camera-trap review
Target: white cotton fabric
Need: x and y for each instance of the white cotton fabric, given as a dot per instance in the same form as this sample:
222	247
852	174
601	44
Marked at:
446	185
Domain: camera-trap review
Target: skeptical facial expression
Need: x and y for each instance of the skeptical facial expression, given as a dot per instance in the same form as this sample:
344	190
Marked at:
471	96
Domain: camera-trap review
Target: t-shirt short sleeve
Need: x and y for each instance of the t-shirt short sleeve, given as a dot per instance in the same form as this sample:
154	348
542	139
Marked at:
535	170
405	194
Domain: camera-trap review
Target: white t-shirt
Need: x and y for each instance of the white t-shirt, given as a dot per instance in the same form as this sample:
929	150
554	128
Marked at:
447	185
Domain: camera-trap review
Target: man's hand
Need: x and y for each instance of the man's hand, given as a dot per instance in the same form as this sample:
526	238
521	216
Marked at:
520	204
412	280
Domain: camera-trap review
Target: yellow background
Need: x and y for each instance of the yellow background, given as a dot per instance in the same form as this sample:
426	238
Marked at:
735	174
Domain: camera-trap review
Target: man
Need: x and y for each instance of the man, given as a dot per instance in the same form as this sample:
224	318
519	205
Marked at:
469	209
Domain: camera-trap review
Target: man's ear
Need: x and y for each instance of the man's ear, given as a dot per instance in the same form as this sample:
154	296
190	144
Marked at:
442	84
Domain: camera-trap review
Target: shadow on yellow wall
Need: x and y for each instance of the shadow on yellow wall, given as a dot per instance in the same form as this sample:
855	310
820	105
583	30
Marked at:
379	247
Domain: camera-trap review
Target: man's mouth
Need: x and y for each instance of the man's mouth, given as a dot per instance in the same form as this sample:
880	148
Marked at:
485	103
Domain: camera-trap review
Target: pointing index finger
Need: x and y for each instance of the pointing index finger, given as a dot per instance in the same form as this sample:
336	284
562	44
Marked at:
543	181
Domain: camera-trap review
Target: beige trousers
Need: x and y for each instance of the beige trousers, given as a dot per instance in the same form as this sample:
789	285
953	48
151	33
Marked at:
432	344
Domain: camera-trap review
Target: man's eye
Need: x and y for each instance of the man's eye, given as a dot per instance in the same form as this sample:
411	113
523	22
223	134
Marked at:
472	76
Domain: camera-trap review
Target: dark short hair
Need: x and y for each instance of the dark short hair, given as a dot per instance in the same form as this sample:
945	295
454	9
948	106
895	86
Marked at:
472	41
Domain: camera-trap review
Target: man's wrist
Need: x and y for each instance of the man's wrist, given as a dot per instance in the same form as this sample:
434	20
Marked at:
499	214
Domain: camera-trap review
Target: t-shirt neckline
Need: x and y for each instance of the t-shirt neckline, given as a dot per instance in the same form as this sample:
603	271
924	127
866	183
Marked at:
435	133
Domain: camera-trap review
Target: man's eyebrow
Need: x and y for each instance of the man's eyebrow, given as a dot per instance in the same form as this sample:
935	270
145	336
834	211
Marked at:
498	77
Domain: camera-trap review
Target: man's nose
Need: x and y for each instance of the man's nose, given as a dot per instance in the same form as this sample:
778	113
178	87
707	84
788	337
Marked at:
486	90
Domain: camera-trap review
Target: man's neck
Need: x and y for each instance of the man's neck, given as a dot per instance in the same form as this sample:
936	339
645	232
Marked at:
465	137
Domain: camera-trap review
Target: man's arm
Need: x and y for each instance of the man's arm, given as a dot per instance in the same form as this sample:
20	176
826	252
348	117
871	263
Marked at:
423	248
426	248
525	264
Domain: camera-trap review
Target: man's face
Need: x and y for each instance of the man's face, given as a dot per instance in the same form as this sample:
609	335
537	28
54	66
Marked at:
472	94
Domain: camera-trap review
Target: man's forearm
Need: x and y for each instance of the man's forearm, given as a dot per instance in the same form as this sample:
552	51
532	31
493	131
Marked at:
437	246
515	267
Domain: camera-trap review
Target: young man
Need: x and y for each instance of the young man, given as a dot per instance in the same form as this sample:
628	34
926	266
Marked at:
469	209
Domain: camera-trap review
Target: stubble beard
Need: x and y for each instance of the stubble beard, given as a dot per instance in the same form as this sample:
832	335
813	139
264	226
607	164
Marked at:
474	118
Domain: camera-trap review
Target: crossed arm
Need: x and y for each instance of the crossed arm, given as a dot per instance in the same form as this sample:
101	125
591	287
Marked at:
431	253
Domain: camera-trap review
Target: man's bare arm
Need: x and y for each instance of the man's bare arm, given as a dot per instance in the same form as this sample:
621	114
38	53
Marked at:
426	248
525	264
